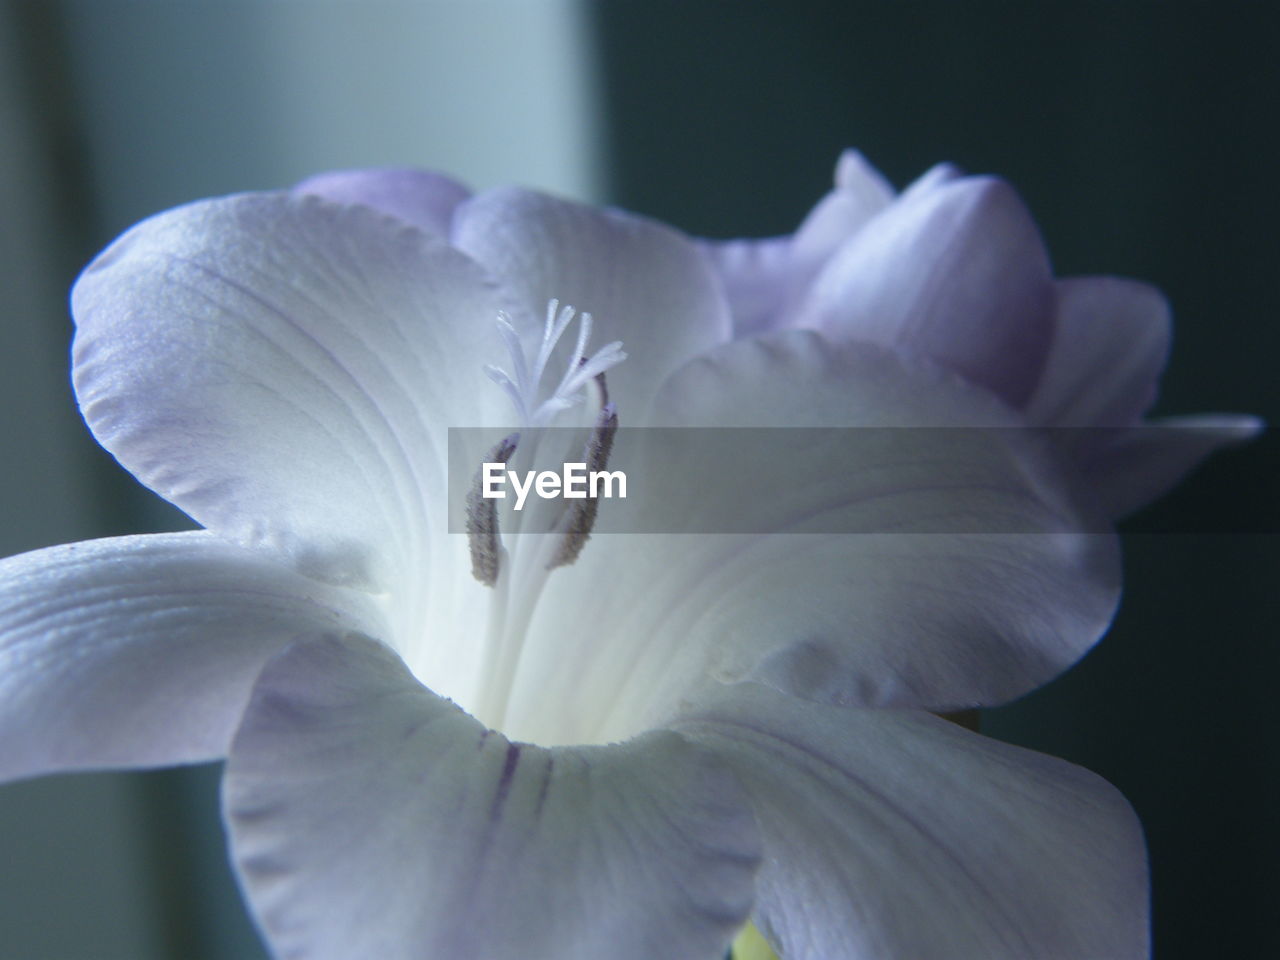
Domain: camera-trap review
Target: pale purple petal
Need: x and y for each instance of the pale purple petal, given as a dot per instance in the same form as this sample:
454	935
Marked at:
860	193
766	279
955	272
644	283
284	370
758	278
371	818
880	566
141	651
939	175
1110	342
421	197
1130	468
897	834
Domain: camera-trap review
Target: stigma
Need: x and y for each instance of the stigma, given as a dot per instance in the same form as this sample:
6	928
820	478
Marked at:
523	384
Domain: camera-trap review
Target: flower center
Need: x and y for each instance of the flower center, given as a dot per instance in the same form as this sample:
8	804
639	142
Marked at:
517	572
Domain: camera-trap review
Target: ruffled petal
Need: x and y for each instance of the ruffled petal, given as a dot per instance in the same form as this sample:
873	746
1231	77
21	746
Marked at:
955	271
766	279
1110	342
420	197
940	568
284	369
896	834
141	651
1127	469
371	818
643	283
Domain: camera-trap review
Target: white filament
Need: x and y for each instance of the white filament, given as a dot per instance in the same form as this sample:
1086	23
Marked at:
523	383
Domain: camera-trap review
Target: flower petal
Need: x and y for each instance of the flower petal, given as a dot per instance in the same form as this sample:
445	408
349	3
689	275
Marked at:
955	271
765	279
644	283
860	193
284	369
758	278
141	651
897	834
1133	467
1110	342
420	197
940	568
371	818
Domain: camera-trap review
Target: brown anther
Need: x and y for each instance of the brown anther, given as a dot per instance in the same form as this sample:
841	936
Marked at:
482	518
581	516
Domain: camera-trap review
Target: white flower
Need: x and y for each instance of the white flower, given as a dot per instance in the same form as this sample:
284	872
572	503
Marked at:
692	730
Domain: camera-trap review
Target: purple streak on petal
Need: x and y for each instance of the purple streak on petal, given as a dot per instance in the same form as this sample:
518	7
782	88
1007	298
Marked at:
643	849
504	782
546	785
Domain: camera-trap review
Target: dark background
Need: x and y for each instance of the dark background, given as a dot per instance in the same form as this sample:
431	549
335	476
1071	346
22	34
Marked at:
1142	136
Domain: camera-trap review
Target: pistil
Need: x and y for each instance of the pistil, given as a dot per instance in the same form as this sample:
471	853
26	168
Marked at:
518	576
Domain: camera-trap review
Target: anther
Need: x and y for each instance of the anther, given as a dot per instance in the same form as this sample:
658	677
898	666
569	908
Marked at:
581	516
482	518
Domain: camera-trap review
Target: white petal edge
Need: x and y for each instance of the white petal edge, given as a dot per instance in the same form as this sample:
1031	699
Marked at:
283	369
141	651
894	834
370	818
421	197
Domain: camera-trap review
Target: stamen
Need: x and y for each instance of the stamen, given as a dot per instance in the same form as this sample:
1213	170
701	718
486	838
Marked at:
482	518
519	576
581	517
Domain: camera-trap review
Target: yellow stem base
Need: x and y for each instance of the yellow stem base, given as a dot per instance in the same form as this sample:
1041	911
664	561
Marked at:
750	945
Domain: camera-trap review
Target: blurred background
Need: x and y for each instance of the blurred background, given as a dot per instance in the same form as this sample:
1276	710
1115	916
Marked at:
1142	136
